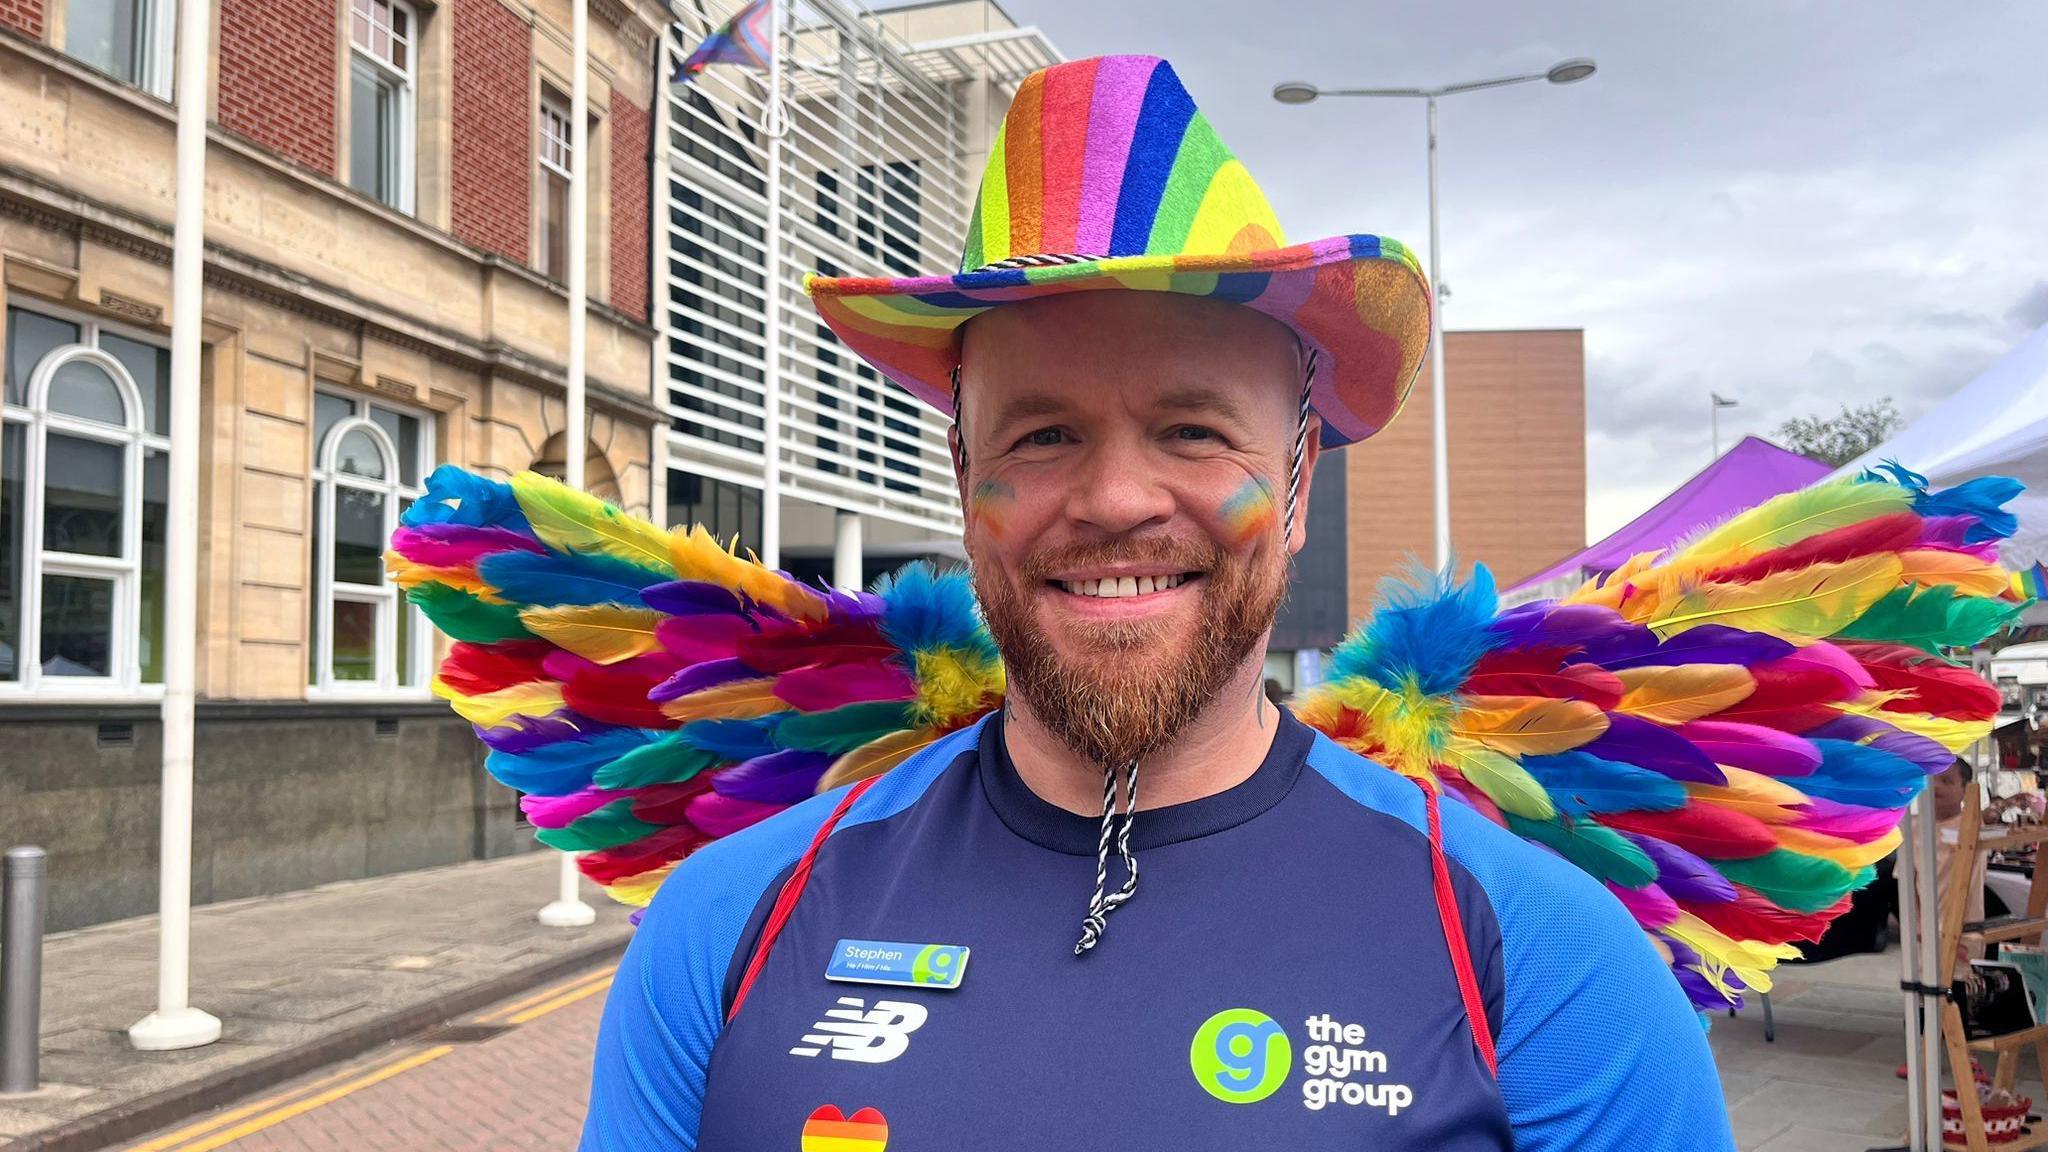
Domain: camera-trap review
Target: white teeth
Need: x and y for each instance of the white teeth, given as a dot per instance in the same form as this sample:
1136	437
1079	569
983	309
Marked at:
1118	587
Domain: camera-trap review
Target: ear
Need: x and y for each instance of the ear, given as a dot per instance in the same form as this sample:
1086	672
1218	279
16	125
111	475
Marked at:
959	458
1311	451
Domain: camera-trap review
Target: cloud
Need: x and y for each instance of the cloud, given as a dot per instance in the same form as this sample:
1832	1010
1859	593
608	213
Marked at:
2030	313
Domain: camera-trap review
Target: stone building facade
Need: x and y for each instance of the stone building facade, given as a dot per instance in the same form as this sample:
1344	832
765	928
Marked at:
383	294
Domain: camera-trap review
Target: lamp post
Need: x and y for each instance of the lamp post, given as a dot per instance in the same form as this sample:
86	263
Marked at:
1301	92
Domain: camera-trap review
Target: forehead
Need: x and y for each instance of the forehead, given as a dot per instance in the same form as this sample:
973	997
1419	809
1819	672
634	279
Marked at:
1098	348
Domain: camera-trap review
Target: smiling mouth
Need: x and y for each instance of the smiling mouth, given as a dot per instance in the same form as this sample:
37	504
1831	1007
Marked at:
1119	587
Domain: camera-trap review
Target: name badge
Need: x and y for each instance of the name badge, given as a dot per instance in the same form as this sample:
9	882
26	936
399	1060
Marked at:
936	966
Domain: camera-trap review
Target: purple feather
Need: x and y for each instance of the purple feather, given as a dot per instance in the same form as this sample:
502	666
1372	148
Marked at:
1706	644
698	677
1588	626
822	689
1753	747
527	733
1634	740
1932	758
1682	954
778	778
562	811
691	598
1847	821
1649	905
1682	875
1701	992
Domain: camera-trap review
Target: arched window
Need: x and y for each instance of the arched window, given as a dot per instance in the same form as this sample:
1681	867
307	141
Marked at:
84	477
367	467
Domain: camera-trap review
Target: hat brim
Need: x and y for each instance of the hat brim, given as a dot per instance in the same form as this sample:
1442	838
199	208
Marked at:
1360	302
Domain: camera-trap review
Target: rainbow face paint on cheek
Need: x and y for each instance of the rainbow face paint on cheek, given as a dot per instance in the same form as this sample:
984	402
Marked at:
1250	511
989	504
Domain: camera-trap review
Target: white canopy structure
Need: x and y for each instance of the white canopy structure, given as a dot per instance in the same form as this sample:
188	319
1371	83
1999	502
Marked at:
1996	424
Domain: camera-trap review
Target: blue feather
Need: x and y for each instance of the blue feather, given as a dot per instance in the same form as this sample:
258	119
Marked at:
925	609
1580	783
1983	498
1427	629
566	578
733	740
565	767
456	496
1862	774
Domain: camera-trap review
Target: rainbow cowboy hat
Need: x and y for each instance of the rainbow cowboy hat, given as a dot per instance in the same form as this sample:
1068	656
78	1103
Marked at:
1105	175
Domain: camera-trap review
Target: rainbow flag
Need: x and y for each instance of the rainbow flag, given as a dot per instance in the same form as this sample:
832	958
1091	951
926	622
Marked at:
742	40
2030	583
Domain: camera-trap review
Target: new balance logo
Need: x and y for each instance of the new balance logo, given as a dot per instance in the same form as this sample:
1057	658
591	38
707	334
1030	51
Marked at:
853	1031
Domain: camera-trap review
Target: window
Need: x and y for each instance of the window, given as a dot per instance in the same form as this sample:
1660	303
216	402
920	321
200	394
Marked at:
368	463
554	185
724	509
84	485
380	129
127	39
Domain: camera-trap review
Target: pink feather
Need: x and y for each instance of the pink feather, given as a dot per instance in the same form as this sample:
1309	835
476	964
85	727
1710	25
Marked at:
719	815
1846	821
818	689
562	811
696	639
1752	746
458	545
1649	905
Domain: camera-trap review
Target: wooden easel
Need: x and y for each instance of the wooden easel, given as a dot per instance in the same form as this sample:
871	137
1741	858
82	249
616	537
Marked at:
2021	929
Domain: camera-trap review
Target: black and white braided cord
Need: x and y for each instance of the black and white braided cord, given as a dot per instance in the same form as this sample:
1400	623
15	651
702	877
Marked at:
1100	906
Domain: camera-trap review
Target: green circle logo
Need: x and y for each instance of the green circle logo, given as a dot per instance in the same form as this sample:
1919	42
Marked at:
1240	1056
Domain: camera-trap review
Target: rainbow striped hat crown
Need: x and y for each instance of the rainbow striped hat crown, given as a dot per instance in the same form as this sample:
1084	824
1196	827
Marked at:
1105	175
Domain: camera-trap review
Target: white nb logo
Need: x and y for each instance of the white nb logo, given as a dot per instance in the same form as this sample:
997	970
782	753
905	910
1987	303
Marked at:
853	1031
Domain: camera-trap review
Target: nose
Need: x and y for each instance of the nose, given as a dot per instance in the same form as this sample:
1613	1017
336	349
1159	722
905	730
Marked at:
1115	490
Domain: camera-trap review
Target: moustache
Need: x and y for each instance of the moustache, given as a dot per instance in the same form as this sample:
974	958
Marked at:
1173	552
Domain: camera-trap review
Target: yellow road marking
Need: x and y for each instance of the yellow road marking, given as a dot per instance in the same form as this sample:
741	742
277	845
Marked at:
233	1114
563	1001
280	1115
498	1014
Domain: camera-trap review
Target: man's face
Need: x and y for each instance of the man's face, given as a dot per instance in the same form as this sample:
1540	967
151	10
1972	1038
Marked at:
1948	793
1127	458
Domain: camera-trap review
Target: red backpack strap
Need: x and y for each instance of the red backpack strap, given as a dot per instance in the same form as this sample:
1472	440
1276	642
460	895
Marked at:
792	891
1454	934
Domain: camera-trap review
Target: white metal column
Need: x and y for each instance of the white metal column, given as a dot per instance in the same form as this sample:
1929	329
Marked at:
175	1023
776	127
846	551
568	909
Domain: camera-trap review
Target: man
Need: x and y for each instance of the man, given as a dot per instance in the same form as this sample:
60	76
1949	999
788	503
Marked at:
1135	464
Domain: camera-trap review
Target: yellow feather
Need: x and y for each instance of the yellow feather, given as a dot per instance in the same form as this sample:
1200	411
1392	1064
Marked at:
877	756
1931	567
1752	794
1530	725
601	633
1608	591
1792	517
409	575
1814	601
571	521
1751	960
1683	693
639	890
493	709
954	686
1954	735
1847	853
1505	782
695	555
739	700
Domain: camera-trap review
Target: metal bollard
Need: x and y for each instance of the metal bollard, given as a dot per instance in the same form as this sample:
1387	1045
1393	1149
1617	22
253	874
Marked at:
21	969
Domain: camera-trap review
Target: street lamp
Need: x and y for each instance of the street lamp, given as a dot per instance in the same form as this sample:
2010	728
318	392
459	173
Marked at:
1301	92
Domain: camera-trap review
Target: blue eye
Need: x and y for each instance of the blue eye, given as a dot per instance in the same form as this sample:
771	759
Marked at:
1043	438
1195	432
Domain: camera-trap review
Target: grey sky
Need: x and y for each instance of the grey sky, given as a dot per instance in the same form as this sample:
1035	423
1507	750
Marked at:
1794	204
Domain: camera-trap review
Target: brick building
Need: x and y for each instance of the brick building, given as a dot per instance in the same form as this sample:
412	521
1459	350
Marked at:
385	199
1517	440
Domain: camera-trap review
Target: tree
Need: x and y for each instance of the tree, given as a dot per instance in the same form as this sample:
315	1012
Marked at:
1840	439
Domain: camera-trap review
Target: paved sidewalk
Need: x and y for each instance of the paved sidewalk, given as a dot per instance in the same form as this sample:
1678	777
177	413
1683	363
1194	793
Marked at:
298	980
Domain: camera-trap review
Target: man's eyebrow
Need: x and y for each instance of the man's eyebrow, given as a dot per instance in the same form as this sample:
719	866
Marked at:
1027	407
1212	401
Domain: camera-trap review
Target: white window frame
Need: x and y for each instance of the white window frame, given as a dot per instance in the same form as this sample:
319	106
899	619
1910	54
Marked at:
407	167
155	32
136	441
552	133
326	591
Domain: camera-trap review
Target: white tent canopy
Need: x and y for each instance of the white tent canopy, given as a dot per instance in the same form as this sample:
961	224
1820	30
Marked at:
1996	424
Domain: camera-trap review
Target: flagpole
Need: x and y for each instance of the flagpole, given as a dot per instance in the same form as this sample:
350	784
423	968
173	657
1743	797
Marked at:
568	909
176	1023
771	372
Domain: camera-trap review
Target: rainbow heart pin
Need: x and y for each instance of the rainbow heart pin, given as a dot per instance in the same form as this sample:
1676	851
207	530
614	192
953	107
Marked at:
830	1130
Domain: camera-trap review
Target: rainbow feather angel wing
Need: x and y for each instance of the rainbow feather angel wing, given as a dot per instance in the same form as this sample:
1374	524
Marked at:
1725	735
650	691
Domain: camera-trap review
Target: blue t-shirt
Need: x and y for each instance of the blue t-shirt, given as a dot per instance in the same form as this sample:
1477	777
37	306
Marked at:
1281	979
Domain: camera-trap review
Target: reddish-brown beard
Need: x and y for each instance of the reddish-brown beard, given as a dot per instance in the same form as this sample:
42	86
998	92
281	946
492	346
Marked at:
1137	686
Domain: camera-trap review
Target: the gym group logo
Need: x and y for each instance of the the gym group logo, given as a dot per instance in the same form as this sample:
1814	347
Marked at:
854	1031
1242	1056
